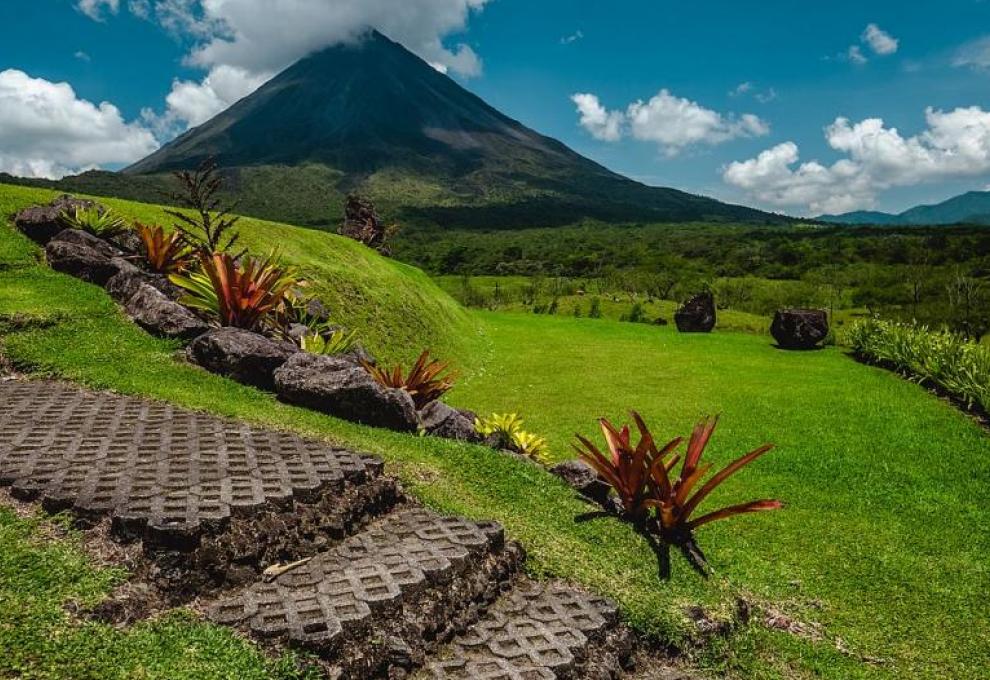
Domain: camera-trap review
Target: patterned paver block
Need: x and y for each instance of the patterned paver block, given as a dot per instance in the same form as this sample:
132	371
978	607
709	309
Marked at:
161	472
537	631
368	577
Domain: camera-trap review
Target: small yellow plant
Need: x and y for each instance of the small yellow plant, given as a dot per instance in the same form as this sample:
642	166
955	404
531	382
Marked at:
507	428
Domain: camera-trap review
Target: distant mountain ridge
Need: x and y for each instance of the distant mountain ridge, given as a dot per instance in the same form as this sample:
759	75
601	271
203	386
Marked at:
972	207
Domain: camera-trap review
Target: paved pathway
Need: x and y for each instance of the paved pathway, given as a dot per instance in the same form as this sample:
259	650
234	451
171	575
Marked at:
388	587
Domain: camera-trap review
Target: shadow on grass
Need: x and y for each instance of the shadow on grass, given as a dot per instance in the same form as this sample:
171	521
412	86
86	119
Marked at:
661	549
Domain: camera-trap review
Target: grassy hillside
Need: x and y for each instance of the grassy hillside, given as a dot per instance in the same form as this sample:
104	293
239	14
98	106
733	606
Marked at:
880	553
395	308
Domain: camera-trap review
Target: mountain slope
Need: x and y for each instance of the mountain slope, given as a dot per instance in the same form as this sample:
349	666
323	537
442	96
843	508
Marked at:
972	207
374	117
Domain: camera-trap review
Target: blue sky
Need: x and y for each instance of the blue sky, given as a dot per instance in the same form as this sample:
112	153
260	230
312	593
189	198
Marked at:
723	98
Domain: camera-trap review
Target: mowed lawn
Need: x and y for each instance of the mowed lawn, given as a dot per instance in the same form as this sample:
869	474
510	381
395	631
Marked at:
886	533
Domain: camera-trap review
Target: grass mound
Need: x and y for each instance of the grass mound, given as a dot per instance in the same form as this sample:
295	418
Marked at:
396	309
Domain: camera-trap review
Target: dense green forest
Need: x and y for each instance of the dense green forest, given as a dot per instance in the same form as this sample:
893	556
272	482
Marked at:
935	275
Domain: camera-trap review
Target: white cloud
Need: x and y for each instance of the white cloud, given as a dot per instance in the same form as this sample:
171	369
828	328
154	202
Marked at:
671	122
140	8
975	54
47	131
242	43
94	8
82	56
855	55
269	35
741	89
190	104
954	144
880	41
572	38
601	123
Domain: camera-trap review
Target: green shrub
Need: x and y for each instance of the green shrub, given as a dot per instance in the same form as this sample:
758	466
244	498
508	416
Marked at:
595	312
636	314
337	341
96	221
942	358
508	433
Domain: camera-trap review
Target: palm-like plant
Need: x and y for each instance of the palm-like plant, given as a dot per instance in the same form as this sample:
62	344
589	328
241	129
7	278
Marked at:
239	294
424	382
651	496
97	221
166	253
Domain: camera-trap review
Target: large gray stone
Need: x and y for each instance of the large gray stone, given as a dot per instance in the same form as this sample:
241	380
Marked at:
80	261
41	223
583	479
339	387
158	315
84	238
249	358
440	420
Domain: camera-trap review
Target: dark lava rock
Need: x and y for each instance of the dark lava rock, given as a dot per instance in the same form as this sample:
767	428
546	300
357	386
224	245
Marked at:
41	223
80	261
249	358
583	479
440	420
128	241
84	238
154	312
317	311
125	283
339	387
697	315
799	328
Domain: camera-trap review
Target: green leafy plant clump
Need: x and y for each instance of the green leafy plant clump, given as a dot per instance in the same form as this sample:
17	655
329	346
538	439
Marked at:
97	221
337	341
943	358
508	433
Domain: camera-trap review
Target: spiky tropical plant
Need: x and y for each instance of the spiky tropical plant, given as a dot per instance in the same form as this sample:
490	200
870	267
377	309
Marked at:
98	222
508	432
530	445
425	381
211	229
241	294
337	341
165	252
651	496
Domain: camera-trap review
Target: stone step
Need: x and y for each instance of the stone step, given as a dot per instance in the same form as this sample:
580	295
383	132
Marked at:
384	598
213	500
539	631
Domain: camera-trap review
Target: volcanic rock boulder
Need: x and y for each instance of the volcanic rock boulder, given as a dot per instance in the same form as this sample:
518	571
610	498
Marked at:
80	261
440	420
342	388
41	223
799	328
159	315
697	315
583	479
84	238
247	357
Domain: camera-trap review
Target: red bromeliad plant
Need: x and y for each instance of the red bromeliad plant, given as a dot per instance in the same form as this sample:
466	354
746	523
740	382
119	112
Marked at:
642	477
242	294
424	383
166	253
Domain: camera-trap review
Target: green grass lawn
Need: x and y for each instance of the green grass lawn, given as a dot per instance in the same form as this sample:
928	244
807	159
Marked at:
883	542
